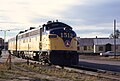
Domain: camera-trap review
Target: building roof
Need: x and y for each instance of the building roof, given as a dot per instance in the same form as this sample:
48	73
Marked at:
85	41
105	41
97	41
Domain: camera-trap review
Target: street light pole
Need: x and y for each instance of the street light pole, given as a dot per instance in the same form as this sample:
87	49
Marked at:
114	38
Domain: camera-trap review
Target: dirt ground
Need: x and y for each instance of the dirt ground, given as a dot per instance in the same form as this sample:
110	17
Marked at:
23	72
20	71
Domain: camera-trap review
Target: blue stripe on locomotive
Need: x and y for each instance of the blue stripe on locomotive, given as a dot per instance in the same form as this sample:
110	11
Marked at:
62	30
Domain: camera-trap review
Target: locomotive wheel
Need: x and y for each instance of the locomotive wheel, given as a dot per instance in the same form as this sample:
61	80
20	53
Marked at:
45	60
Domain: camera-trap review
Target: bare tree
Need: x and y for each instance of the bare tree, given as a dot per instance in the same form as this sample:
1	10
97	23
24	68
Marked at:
117	34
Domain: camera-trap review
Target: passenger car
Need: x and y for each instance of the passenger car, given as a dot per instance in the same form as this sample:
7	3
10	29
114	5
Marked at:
109	53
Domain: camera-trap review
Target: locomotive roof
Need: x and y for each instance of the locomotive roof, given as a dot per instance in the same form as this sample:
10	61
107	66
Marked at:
29	30
51	25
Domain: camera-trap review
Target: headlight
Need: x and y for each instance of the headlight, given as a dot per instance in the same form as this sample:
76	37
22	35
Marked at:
101	54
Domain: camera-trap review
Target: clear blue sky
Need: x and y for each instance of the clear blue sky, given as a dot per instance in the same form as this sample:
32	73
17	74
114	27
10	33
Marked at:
89	18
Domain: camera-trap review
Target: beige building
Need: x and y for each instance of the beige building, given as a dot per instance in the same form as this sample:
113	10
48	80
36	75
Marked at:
97	45
103	45
85	45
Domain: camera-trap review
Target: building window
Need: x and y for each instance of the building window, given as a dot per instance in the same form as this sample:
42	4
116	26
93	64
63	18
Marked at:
85	47
101	48
89	47
78	48
92	47
116	47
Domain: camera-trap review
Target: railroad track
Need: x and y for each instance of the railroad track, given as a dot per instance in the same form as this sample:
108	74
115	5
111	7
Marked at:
115	76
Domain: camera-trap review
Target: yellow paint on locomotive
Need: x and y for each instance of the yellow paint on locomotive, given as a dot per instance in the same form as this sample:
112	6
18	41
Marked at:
11	45
46	42
33	44
57	44
29	44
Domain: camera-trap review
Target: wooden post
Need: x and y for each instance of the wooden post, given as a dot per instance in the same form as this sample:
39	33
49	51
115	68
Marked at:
10	62
27	60
28	54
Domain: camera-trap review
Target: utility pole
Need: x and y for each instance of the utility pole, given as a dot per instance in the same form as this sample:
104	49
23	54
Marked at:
9	57
114	38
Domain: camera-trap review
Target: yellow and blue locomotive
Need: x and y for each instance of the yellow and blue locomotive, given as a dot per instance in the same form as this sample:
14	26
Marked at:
54	42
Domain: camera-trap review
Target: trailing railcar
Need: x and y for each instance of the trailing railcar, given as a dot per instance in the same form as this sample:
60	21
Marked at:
54	42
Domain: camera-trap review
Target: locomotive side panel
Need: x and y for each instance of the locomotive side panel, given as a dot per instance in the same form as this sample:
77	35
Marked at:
45	43
26	44
12	45
29	41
